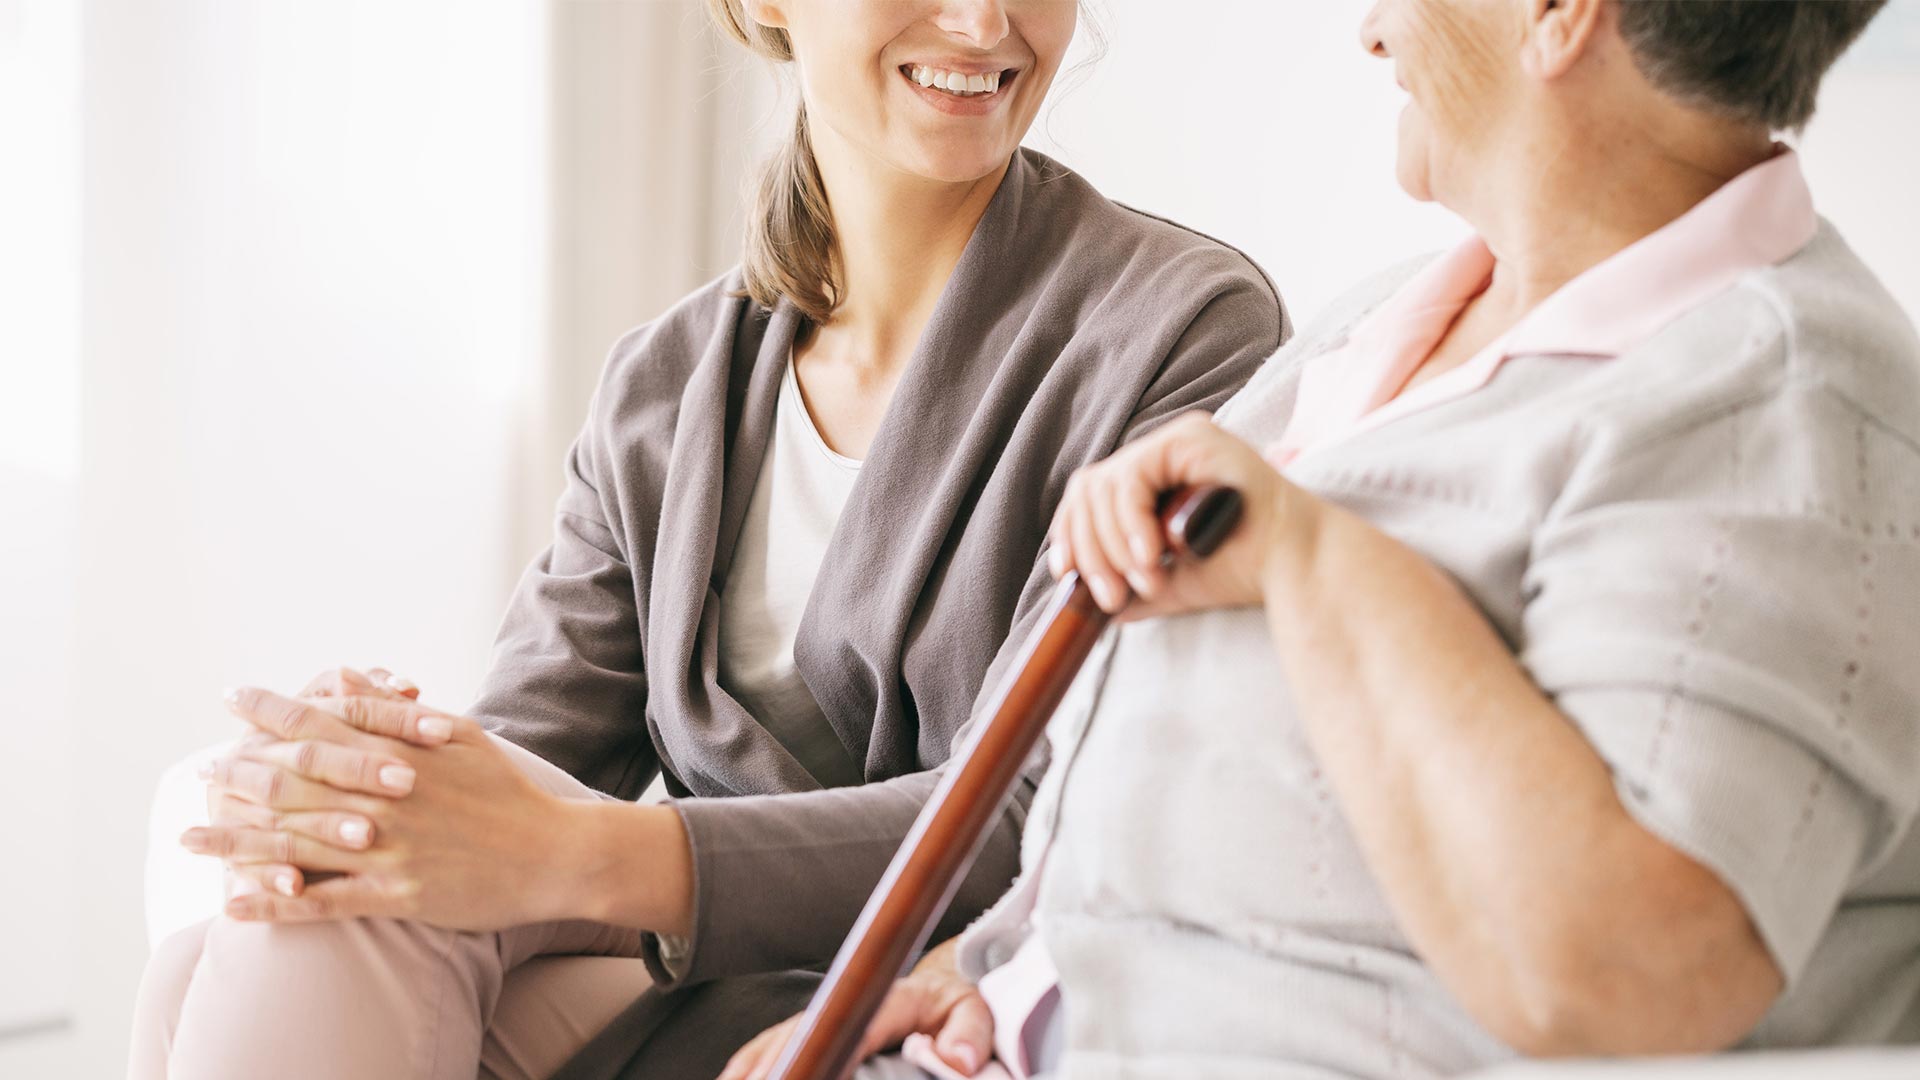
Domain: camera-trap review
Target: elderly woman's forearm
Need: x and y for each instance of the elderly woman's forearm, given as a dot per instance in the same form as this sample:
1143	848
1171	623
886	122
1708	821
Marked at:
1492	823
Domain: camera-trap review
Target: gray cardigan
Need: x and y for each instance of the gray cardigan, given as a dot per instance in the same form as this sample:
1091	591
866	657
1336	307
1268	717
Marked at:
1070	325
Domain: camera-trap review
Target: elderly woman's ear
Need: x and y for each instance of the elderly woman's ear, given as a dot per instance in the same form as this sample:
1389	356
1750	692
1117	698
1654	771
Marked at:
1559	33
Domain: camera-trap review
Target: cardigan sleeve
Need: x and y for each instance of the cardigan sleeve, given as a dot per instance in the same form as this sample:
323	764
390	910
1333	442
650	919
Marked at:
779	880
566	679
1725	614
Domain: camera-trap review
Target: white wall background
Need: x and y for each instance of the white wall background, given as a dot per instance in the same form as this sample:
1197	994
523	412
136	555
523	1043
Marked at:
1264	123
311	251
300	300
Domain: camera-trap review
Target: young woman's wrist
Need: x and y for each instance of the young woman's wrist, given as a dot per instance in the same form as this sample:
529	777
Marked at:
625	864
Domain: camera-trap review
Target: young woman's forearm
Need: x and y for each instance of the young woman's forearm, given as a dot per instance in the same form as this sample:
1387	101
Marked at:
629	865
1493	824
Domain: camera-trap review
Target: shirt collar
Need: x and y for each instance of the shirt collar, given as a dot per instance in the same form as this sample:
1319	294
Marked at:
1757	219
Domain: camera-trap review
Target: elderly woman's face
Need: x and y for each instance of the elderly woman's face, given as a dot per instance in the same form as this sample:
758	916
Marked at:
1458	60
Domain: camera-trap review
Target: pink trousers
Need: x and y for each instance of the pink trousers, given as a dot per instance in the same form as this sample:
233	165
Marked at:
380	998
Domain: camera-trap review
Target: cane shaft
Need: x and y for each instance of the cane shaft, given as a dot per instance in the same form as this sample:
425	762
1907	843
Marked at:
936	854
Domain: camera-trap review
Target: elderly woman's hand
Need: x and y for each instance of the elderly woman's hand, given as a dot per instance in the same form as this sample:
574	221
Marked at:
471	845
932	1000
1107	529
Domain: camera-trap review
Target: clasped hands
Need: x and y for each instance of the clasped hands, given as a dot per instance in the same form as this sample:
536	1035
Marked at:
354	799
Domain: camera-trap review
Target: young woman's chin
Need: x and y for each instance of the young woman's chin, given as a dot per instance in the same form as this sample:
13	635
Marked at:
959	149
960	164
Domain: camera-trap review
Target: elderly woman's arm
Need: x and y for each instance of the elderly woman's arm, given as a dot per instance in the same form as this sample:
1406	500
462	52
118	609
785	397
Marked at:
1492	823
1563	924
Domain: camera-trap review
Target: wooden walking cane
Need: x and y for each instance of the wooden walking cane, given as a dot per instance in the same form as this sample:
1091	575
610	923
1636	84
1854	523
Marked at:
936	854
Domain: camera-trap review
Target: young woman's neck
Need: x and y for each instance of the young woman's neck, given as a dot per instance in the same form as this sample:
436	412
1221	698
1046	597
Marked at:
900	237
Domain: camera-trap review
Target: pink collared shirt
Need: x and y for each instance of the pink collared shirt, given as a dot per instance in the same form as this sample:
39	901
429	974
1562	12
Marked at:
1758	219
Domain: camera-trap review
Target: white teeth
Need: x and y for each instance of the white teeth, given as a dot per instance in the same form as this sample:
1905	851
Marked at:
953	82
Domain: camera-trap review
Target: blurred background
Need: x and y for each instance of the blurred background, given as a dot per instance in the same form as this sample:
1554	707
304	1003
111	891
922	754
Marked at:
301	302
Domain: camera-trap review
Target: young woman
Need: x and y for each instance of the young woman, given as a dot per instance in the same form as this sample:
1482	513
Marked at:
805	512
1556	695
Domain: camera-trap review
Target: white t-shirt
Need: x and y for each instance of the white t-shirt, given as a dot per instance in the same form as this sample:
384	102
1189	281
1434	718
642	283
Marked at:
797	500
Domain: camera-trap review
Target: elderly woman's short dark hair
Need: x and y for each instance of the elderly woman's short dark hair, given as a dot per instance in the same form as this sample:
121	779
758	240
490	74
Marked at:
1754	60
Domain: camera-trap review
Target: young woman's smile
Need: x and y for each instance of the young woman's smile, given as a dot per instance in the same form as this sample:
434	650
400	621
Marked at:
960	88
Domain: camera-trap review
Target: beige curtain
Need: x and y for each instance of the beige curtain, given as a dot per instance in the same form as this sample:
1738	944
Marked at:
655	122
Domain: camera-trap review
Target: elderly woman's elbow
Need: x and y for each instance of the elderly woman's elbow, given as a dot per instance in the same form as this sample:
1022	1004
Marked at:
1601	1016
1683	974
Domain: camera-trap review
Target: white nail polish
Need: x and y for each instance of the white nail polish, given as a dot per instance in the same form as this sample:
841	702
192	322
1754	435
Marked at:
283	883
1102	592
354	831
1141	552
398	778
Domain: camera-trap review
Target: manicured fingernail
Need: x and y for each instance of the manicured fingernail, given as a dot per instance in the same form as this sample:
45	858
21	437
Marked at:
397	778
1057	560
400	684
239	907
283	882
205	771
1141	552
355	832
244	886
193	840
969	1058
231	695
1102	592
1138	581
436	727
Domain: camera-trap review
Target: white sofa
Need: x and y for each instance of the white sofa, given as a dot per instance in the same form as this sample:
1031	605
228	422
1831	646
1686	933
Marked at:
182	889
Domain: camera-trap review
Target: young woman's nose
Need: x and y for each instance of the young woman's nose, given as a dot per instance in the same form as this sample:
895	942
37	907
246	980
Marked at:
983	23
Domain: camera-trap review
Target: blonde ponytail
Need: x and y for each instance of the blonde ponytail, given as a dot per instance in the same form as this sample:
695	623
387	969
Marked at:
790	246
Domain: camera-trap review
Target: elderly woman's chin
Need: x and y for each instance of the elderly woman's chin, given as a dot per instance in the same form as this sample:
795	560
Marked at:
1412	165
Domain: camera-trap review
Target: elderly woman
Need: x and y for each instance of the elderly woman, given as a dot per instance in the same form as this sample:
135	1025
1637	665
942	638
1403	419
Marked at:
1557	694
